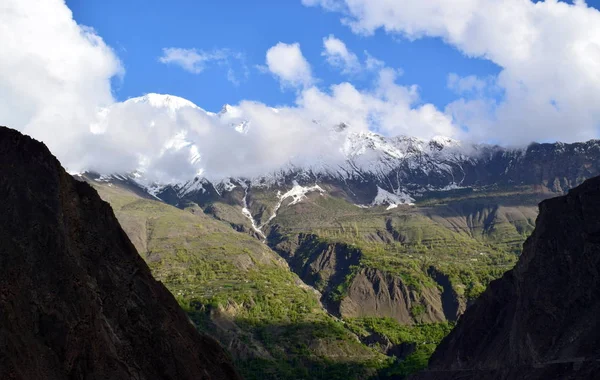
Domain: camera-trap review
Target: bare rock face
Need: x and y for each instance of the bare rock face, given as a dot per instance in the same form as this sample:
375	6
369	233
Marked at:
539	321
375	293
76	300
370	292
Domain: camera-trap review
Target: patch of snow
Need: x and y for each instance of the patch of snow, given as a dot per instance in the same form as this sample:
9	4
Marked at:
243	127
75	173
153	190
445	141
230	111
195	155
248	214
391	199
233	117
104	178
228	185
451	186
197	184
297	193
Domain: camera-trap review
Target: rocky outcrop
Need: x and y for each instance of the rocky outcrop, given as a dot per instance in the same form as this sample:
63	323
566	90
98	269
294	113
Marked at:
540	320
374	293
76	300
321	264
453	304
351	291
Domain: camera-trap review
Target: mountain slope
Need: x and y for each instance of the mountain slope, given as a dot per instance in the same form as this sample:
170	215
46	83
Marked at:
236	289
77	301
540	320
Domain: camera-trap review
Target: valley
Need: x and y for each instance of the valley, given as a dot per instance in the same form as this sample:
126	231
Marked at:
300	190
352	273
294	277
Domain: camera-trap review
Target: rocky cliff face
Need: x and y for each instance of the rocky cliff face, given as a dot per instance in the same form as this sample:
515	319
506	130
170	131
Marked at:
540	320
379	294
76	300
352	291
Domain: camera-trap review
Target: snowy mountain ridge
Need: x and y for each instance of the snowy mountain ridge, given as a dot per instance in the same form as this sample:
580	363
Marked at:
356	153
369	168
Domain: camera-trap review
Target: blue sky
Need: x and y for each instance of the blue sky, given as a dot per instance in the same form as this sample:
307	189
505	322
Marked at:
138	30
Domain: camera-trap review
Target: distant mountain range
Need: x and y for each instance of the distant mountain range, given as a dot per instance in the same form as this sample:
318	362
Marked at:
372	169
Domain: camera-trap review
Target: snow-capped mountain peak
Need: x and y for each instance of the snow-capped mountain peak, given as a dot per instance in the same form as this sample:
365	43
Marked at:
441	142
343	152
233	117
227	109
170	102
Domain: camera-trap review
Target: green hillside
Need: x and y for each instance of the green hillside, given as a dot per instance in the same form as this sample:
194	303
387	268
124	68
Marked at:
238	290
312	305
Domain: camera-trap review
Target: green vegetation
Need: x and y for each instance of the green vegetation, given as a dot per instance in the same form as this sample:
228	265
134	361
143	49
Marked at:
316	350
472	247
420	341
238	290
242	293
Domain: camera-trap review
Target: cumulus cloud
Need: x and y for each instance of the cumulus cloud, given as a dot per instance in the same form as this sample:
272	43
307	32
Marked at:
288	64
171	139
549	54
372	63
468	84
387	108
55	80
196	61
54	74
337	55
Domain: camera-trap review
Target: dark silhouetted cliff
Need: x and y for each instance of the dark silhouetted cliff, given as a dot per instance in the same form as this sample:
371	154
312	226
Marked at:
541	319
76	300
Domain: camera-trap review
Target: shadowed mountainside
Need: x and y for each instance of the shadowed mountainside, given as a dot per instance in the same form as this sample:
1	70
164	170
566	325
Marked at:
540	320
76	300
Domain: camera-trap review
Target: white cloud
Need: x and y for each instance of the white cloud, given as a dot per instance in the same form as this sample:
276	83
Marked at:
331	5
338	55
161	134
468	84
55	84
549	54
372	63
388	108
196	61
288	64
54	74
